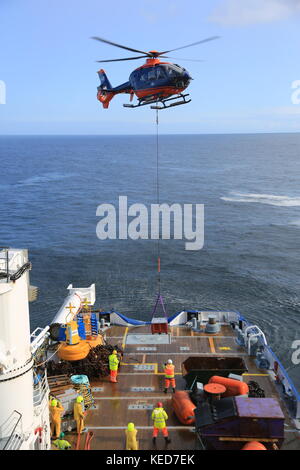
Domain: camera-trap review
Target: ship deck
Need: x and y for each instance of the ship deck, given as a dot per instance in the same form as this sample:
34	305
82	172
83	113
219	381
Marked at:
141	383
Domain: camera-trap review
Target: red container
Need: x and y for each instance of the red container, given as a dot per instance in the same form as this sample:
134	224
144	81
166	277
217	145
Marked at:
159	325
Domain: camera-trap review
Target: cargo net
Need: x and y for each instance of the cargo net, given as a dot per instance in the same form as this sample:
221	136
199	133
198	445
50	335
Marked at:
94	365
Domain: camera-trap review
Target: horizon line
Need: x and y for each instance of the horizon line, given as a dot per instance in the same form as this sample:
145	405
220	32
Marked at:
150	134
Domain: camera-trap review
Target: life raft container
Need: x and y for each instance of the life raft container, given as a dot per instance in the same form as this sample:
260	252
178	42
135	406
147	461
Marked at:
183	407
253	445
233	387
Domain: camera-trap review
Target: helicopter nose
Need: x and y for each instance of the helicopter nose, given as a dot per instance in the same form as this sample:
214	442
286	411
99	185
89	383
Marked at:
187	78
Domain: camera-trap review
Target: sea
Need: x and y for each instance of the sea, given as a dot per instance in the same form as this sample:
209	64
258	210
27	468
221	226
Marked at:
51	187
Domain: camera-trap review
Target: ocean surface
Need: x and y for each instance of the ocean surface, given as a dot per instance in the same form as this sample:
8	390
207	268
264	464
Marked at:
51	187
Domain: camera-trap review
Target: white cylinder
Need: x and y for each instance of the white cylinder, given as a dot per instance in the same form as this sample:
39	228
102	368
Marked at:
16	378
14	320
66	314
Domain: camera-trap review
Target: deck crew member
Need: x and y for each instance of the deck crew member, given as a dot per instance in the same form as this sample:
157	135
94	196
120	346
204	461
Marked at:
169	376
79	414
113	366
159	417
61	443
56	409
131	441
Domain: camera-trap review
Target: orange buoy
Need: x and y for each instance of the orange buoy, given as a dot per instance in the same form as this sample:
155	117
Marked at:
73	352
233	387
183	407
254	445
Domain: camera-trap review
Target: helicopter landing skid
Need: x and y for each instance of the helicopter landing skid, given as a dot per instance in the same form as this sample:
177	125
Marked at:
177	103
157	100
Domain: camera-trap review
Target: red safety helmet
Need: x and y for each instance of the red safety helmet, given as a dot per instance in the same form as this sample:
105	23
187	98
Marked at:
159	404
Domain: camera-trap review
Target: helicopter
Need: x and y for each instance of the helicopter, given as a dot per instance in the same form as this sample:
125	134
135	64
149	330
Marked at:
155	83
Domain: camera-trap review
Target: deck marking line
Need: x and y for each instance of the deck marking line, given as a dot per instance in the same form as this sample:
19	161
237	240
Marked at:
257	375
139	427
155	397
124	337
234	352
212	345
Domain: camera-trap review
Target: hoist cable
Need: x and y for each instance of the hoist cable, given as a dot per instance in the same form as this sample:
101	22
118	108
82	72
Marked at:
158	199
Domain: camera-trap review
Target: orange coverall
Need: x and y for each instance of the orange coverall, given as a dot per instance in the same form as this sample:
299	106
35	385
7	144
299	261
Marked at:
79	417
55	417
169	376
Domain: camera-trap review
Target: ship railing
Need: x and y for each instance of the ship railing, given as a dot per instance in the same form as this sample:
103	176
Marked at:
4	263
11	433
41	389
253	331
38	336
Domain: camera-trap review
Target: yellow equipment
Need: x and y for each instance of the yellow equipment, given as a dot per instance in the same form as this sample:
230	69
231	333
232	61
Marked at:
72	333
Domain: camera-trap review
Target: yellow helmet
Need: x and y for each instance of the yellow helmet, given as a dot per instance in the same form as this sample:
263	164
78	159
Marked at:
130	427
79	399
114	352
53	402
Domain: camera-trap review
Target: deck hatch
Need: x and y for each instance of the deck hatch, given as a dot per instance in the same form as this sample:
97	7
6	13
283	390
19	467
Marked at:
148	339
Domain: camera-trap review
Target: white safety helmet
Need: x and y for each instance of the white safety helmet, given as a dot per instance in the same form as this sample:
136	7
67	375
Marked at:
169	361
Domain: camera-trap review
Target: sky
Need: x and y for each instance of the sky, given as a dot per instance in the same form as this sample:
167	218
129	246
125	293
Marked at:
48	66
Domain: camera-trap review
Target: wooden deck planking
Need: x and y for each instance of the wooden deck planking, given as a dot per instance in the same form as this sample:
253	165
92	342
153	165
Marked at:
112	415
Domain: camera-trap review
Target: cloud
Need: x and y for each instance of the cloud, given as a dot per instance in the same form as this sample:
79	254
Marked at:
247	12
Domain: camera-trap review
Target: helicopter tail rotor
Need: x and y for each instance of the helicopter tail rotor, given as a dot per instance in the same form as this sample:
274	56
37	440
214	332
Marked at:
104	94
105	83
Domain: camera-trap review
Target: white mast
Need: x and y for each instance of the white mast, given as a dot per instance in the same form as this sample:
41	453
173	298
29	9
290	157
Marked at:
24	416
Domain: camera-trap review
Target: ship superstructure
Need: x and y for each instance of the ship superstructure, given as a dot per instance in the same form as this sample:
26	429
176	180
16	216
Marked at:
24	415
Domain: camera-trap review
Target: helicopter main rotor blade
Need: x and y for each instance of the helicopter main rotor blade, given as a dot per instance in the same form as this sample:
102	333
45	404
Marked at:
126	58
119	45
179	58
190	45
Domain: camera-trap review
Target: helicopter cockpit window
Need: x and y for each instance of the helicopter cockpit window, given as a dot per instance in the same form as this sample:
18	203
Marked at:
171	72
152	74
160	73
143	76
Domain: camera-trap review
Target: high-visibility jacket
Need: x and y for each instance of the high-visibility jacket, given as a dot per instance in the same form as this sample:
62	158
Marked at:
113	362
78	411
169	371
56	412
62	444
159	417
